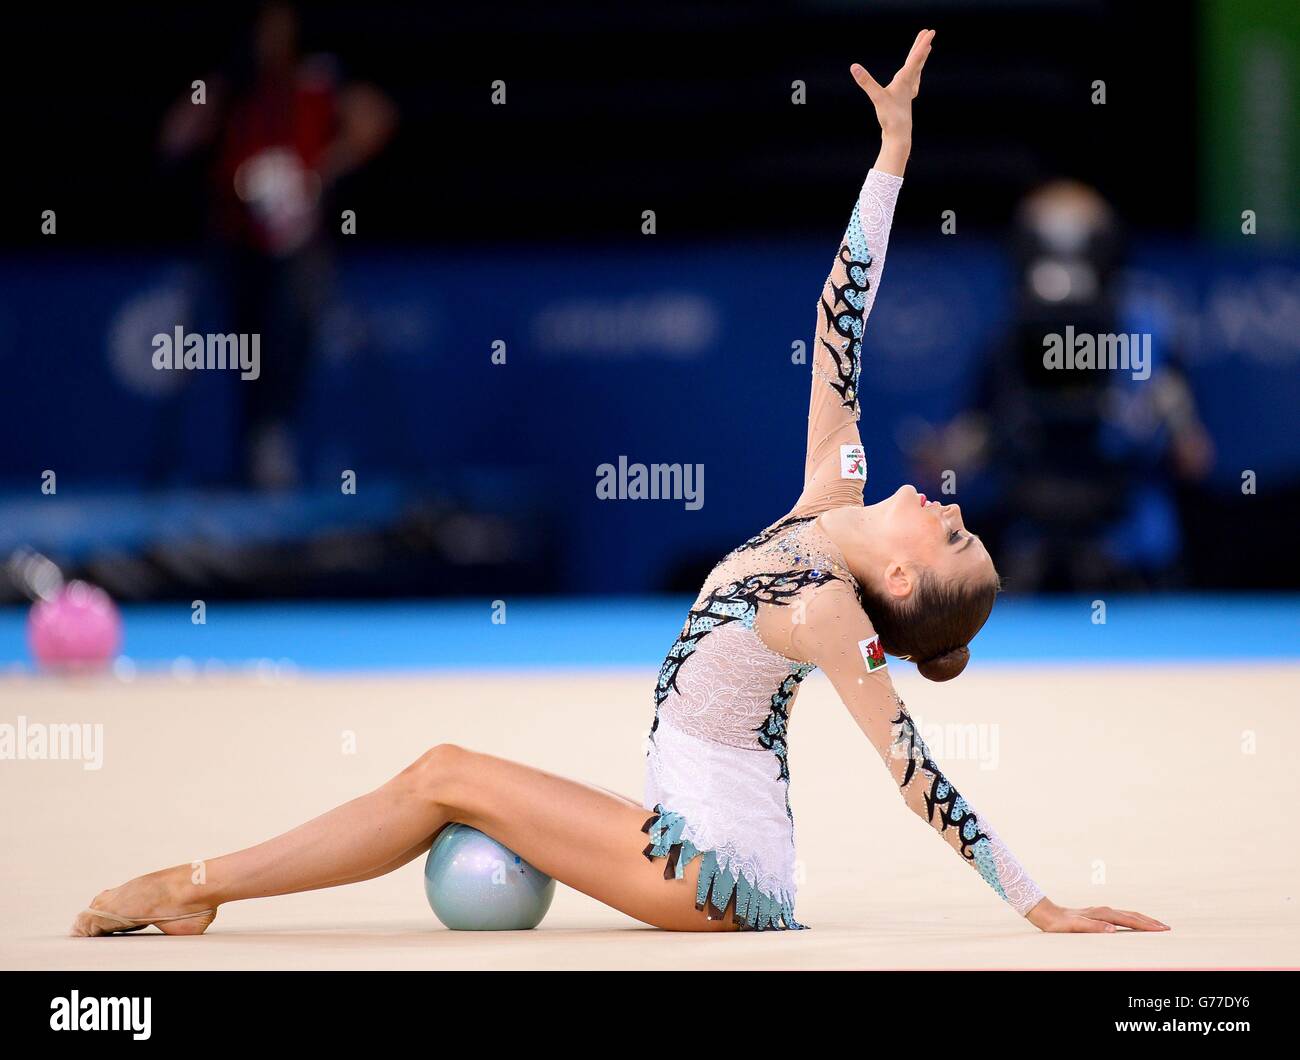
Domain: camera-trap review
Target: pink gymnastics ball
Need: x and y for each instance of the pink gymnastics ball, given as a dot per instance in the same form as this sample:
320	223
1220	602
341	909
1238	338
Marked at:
79	628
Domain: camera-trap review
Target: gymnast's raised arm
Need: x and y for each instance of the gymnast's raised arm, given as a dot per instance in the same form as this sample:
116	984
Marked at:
835	469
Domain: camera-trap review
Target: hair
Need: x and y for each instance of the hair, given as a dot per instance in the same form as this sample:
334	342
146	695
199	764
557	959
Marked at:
934	624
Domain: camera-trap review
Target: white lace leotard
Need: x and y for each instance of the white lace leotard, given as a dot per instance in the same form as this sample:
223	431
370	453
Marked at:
773	610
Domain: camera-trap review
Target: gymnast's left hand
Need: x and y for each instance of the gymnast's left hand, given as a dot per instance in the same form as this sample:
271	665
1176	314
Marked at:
1048	916
893	102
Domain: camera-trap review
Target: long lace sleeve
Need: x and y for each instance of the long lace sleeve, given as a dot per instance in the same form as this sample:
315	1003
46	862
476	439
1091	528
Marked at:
932	796
835	469
837	637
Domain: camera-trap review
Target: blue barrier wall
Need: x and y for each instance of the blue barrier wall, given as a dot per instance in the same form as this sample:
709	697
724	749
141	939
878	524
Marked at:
669	354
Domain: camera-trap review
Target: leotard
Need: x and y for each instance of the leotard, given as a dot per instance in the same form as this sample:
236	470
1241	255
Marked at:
771	611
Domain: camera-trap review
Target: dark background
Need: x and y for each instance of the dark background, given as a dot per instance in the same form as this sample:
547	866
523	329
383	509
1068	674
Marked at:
611	105
476	221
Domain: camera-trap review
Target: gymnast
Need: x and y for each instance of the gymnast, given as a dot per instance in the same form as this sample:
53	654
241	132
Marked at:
833	584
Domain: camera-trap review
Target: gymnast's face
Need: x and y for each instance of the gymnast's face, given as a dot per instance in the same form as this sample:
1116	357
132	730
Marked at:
915	533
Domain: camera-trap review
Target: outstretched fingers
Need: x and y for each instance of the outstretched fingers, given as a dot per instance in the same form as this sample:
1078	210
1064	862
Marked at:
909	74
1105	919
866	82
915	63
1085	924
1125	918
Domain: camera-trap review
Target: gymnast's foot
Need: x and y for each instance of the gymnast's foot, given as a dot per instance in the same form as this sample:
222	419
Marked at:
164	899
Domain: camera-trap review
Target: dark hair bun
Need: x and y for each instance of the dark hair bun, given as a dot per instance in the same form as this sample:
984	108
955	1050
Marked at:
946	666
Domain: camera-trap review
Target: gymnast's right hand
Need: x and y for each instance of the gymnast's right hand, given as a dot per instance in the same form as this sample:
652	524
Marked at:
1048	916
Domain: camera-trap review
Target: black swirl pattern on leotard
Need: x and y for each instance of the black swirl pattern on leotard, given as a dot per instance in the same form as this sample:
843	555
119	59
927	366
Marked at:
845	318
736	601
764	536
953	809
771	734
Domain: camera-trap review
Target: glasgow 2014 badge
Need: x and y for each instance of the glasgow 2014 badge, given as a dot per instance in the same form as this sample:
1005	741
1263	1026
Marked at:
853	462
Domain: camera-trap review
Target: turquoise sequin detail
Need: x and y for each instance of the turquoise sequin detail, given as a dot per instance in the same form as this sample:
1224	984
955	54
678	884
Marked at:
983	855
952	807
846	317
719	887
857	243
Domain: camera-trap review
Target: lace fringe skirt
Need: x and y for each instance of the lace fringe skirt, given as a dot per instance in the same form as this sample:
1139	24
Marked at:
727	806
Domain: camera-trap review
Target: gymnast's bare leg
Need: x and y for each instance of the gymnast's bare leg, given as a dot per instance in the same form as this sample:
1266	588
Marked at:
584	836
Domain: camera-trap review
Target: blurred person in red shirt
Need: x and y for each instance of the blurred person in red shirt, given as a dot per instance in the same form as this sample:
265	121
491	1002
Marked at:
280	130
